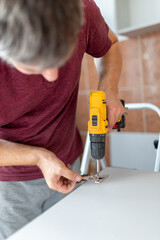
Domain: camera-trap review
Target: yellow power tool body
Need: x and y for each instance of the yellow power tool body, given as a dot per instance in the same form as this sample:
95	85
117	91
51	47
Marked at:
98	124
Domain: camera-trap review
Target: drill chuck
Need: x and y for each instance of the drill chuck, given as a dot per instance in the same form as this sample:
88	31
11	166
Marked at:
97	145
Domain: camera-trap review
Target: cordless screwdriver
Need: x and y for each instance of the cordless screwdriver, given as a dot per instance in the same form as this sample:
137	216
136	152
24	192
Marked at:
98	125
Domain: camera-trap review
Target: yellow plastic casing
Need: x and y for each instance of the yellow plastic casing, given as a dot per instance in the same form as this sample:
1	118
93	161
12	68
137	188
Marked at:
97	109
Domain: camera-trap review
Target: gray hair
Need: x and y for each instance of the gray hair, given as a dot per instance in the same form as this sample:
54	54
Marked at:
40	32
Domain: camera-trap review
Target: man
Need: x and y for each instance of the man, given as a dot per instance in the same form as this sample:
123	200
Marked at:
42	44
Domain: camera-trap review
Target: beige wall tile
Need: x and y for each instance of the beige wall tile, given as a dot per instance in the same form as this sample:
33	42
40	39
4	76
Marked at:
152	95
151	58
134	119
131	95
82	113
130	75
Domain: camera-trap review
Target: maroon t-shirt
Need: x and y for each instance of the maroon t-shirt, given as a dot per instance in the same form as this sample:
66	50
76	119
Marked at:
40	113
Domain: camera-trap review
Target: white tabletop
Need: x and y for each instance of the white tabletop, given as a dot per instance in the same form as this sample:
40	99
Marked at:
126	206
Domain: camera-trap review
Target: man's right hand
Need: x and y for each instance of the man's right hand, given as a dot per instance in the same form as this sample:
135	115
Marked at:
57	175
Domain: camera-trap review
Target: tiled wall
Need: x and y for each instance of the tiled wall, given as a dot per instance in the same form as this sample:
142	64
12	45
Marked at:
139	82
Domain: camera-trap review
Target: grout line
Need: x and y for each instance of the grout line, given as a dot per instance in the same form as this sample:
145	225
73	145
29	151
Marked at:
141	82
137	88
87	92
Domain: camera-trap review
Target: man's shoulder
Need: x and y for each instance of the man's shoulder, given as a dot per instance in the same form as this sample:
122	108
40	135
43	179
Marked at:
89	6
88	3
91	12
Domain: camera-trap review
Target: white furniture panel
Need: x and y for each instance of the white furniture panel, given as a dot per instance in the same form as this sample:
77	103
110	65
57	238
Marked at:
133	150
126	206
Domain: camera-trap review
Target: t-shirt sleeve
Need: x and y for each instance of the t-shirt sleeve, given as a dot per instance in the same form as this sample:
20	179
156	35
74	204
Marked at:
97	40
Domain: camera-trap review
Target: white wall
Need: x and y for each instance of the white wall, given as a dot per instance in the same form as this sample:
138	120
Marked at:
107	8
145	12
108	11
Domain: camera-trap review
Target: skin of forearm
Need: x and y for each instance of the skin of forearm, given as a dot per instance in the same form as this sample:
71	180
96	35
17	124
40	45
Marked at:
110	69
13	154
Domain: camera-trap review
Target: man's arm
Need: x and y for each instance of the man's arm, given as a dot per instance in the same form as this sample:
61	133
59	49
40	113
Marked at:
57	175
109	68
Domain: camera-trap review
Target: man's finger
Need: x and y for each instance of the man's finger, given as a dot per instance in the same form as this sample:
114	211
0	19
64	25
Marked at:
69	165
71	175
65	186
112	121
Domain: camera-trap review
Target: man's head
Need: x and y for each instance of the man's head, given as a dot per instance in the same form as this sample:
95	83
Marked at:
39	35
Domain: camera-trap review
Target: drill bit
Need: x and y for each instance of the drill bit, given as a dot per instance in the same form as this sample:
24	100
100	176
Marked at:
98	168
